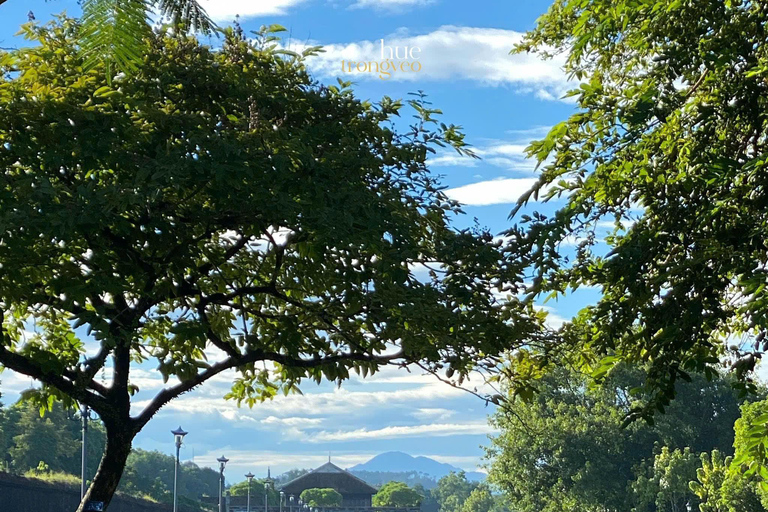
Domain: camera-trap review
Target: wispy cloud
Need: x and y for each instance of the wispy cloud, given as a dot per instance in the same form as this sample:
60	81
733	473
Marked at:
484	193
431	430
450	53
341	401
225	11
259	460
509	155
391	5
433	414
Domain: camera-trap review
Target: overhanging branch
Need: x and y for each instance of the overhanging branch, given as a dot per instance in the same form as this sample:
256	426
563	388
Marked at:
168	394
51	377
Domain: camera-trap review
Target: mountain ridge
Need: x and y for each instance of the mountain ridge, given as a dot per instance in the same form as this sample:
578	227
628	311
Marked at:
400	462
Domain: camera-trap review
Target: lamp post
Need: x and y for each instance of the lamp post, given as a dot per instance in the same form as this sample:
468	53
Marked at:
178	435
267	487
249	476
282	498
222	463
85	414
290	503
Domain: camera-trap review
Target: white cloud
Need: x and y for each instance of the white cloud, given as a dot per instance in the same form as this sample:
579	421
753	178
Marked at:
452	160
428	430
12	383
294	421
341	401
508	156
258	461
226	11
554	320
450	53
433	414
391	5
499	191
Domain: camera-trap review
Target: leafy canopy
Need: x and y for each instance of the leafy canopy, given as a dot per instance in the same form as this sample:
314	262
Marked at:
396	494
321	497
667	146
452	491
114	33
258	488
566	448
220	210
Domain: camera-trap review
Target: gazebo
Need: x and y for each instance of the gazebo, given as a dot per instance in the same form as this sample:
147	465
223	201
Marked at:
355	492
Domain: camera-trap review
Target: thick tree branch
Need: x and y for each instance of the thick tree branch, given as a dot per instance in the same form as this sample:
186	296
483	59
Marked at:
168	394
51	377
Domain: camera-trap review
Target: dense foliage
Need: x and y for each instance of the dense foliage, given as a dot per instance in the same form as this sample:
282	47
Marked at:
258	487
113	32
27	439
30	442
321	497
567	450
396	494
667	146
219	210
454	493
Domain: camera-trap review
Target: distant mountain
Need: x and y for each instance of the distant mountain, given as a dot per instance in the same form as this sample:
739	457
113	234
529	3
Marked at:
399	462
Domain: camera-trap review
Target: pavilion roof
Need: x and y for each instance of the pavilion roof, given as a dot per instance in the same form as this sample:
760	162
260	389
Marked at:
329	476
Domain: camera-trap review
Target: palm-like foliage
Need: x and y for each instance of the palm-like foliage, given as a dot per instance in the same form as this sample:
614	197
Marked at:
114	31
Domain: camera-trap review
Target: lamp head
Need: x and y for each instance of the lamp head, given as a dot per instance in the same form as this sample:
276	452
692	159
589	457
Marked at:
179	434
249	476
222	462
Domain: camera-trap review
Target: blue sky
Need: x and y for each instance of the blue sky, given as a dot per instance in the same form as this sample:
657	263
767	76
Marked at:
502	102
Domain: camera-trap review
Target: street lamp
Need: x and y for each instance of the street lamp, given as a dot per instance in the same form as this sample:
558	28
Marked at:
85	415
282	498
290	503
249	476
267	486
222	463
178	435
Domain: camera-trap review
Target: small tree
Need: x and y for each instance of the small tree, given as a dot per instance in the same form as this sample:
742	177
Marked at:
224	200
257	491
396	494
479	500
321	497
452	491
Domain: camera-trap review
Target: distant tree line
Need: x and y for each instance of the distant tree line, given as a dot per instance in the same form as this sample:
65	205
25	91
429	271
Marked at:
43	446
452	493
412	478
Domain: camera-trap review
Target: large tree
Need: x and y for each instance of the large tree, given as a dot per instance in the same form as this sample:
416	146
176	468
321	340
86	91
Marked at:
218	210
566	448
667	146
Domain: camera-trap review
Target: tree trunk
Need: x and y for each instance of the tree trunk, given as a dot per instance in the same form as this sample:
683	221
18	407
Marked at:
111	467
